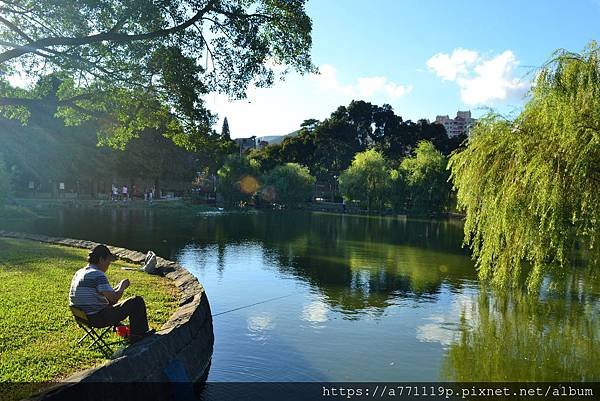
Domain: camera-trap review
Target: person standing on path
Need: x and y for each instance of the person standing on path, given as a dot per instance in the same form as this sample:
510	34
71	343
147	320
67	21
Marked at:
92	293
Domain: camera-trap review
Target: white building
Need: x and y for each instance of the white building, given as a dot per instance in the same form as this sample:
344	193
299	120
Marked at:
461	124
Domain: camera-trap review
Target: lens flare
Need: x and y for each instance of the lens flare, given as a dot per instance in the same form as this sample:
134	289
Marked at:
248	184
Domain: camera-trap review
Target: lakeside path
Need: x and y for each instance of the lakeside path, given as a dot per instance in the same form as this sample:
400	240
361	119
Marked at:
38	334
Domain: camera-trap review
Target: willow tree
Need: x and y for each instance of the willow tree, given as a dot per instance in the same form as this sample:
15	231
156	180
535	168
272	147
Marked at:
368	180
530	187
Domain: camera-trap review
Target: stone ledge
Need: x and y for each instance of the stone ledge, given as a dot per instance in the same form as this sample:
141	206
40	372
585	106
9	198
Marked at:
185	340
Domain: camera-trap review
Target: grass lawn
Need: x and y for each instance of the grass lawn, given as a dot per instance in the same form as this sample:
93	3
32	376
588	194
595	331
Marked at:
38	334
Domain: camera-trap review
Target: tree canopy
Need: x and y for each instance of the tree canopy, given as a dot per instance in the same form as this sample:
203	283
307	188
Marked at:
367	179
132	63
289	184
238	180
529	186
426	178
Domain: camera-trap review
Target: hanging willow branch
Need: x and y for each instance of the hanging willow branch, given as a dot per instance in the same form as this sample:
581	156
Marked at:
530	187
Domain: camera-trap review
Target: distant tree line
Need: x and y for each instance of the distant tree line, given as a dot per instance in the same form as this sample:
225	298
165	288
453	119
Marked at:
363	152
378	161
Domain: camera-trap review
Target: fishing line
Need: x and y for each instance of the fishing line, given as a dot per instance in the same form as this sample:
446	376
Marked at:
254	304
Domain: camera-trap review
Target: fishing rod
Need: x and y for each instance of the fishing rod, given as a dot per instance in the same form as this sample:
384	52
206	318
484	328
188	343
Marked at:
254	304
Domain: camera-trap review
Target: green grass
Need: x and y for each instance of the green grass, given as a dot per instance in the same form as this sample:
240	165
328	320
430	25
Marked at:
37	332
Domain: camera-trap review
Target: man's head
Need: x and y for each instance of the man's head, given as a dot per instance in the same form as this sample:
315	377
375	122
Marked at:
101	256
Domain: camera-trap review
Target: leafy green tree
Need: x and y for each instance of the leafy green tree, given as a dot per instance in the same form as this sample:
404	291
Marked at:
115	56
211	151
238	180
367	180
289	184
310	124
268	157
5	186
427	179
300	148
529	187
398	193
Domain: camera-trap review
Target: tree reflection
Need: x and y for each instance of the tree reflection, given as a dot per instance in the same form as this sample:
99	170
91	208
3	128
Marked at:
356	266
517	336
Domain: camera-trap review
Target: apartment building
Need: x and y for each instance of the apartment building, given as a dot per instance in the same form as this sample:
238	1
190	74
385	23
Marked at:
462	123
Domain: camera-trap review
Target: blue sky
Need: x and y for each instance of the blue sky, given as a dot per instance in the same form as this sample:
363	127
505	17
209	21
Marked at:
422	57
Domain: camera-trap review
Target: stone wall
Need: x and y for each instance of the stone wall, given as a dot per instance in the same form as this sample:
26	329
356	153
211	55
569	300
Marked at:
179	353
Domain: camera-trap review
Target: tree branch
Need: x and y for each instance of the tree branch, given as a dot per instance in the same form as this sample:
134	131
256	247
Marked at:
105	36
15	28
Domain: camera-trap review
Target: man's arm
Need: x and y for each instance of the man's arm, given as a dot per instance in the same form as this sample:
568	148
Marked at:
111	294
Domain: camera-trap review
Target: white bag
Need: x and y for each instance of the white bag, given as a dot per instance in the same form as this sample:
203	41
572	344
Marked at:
150	263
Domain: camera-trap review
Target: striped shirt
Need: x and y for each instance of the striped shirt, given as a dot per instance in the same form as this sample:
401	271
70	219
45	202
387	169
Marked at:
86	290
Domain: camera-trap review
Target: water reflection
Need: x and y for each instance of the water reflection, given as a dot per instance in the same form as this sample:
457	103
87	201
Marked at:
315	313
355	276
517	336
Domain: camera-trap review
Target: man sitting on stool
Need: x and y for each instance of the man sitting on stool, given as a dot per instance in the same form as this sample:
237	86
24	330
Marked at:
92	293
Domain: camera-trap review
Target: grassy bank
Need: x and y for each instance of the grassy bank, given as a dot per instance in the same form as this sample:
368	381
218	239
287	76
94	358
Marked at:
38	334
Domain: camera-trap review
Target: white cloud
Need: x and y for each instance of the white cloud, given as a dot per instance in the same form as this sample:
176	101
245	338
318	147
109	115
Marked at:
481	80
327	80
365	87
448	67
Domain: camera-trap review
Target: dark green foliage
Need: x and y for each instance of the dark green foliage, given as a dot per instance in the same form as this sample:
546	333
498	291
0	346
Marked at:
152	156
133	64
268	157
529	187
212	152
47	152
289	184
238	180
328	147
225	134
399	191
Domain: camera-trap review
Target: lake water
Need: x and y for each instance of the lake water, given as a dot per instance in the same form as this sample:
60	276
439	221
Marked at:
300	296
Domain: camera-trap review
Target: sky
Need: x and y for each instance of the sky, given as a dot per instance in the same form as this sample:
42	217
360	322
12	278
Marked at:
425	58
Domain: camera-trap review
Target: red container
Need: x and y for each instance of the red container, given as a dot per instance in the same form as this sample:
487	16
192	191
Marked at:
122	331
